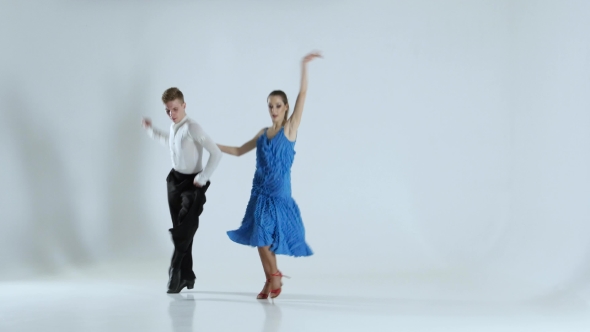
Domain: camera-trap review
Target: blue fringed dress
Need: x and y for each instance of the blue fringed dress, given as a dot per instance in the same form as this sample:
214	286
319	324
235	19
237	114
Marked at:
272	216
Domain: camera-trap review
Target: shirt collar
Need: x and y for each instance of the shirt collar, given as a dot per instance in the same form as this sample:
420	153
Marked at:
175	126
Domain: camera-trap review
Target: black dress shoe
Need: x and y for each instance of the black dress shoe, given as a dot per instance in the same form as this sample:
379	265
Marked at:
190	284
183	283
174	281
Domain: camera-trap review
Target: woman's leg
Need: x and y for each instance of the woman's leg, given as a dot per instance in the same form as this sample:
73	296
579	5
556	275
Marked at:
267	270
271	266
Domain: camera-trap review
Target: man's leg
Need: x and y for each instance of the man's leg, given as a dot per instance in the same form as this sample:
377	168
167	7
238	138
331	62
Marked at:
186	268
189	219
182	235
175	186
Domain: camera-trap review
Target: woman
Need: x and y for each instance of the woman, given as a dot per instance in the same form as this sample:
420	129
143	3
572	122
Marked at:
272	221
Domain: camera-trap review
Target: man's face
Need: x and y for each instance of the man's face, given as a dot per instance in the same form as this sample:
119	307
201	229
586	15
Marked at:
175	110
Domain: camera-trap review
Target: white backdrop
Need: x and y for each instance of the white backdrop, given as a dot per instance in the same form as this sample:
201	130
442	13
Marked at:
440	139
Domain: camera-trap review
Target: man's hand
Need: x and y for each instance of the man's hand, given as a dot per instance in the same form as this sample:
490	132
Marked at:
146	123
196	183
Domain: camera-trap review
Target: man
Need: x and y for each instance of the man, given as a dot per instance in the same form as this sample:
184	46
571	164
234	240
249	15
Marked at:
187	183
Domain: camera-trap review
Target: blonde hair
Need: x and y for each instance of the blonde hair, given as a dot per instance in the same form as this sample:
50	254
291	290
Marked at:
172	94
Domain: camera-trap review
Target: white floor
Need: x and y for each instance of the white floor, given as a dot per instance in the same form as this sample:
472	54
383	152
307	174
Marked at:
125	302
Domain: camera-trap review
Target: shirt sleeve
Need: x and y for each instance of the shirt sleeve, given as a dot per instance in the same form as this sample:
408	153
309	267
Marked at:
158	135
201	137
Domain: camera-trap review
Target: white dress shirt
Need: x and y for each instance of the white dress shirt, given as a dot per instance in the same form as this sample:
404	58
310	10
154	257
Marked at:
186	141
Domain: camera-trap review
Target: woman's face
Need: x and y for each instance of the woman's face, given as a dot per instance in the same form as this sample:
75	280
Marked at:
277	108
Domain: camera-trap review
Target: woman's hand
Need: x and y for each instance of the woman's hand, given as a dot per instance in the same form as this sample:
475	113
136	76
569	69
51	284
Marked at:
310	57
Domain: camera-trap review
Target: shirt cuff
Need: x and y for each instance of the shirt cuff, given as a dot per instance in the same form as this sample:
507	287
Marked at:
199	179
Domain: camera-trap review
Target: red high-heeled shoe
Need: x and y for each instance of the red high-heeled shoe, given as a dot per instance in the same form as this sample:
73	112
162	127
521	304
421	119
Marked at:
262	295
274	293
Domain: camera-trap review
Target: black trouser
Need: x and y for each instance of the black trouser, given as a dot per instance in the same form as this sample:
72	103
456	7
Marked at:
186	205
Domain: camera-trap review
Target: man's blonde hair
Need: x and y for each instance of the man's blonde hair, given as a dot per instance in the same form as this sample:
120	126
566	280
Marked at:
172	94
